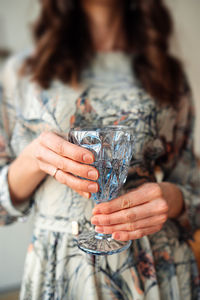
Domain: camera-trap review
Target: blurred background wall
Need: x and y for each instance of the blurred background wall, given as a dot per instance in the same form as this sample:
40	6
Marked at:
15	18
186	45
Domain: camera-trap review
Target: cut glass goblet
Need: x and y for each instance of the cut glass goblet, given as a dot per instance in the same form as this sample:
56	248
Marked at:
112	148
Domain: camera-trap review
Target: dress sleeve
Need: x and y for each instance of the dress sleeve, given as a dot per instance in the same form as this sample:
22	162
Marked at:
181	166
8	93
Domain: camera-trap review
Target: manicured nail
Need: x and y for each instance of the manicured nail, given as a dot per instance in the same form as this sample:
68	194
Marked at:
94	221
99	229
93	187
96	211
87	158
86	195
92	174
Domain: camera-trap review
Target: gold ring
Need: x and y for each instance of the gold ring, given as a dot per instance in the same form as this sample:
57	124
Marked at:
55	171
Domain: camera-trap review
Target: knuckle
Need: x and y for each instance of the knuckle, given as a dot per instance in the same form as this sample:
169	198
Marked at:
36	142
139	234
125	203
41	166
157	190
43	136
108	208
132	215
39	153
163	207
60	147
75	152
61	165
107	220
128	216
131	227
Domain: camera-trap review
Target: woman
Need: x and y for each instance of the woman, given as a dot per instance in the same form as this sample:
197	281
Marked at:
100	62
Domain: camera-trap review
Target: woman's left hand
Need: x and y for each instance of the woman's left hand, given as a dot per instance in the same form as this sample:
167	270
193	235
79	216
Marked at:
138	213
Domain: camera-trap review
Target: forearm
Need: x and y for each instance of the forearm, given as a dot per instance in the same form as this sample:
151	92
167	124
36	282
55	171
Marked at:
174	198
24	175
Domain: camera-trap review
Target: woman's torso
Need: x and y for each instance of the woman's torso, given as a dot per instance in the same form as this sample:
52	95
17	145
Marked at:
109	94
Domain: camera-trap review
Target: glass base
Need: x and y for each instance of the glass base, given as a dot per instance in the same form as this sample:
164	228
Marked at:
100	244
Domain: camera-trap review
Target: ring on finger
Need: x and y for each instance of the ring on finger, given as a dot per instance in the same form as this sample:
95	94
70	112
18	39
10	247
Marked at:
55	172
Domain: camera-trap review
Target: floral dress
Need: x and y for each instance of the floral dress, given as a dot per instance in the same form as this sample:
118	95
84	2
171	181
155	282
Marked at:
160	266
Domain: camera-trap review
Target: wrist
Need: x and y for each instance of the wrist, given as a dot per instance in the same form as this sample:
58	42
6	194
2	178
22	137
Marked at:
174	198
24	175
28	156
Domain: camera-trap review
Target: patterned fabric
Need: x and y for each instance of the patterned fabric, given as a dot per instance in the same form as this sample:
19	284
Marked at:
156	267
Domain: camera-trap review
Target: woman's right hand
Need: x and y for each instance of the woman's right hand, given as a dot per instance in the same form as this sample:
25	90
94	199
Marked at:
54	152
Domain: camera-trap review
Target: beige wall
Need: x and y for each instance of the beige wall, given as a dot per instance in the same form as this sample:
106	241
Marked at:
186	45
15	16
15	20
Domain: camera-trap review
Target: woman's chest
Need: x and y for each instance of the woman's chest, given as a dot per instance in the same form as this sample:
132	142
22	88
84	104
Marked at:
129	105
113	105
98	104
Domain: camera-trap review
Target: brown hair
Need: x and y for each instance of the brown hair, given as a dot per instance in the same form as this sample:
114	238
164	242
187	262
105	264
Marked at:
64	46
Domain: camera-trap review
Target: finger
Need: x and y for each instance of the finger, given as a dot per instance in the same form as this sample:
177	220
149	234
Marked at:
73	182
47	168
65	164
76	183
150	209
143	194
133	235
65	148
144	223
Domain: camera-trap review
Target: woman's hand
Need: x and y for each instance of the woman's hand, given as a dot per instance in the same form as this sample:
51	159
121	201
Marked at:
138	213
52	151
44	155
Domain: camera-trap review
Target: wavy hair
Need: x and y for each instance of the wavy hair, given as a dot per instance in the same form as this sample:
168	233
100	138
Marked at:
64	46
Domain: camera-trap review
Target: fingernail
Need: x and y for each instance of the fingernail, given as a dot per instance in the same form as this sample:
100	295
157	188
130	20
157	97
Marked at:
93	175
93	188
94	221
99	229
86	195
116	236
87	158
96	211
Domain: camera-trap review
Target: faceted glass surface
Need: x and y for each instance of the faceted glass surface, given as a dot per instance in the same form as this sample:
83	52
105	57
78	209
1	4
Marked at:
112	147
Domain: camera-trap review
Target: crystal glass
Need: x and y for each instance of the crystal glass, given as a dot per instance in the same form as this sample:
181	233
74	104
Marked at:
112	147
